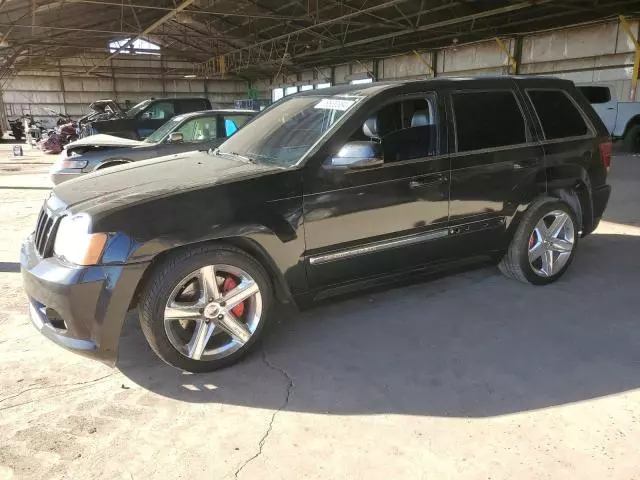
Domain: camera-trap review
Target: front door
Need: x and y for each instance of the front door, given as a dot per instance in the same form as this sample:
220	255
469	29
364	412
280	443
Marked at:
497	166
198	133
154	116
365	222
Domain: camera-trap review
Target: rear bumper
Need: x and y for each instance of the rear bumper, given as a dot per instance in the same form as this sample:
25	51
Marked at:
600	200
600	197
79	308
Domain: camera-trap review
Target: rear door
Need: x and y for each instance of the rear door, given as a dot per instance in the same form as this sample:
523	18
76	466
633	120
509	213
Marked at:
496	164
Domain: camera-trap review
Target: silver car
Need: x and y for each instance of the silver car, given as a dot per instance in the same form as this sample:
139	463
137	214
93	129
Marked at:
191	131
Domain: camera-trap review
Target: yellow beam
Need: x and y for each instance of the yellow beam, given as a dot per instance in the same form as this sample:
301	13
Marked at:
512	61
636	62
425	63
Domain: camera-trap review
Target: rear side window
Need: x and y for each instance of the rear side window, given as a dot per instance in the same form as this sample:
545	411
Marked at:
191	105
559	116
233	122
487	120
596	95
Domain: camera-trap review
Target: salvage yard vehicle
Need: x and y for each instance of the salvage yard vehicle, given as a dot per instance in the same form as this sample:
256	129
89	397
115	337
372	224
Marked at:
622	119
139	121
191	131
323	193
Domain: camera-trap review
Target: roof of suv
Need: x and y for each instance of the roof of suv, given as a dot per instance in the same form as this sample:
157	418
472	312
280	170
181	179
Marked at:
215	111
375	87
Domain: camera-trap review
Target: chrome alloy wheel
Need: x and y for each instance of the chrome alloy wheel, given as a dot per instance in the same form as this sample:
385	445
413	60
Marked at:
213	312
551	243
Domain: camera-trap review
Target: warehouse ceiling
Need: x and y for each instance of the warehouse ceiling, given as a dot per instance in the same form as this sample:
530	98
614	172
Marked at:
254	38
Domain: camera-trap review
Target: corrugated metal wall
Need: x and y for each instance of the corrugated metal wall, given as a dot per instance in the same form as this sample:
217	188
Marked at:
72	89
598	53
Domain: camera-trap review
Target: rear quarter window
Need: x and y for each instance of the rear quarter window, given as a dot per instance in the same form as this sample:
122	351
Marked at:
558	114
596	95
487	119
191	105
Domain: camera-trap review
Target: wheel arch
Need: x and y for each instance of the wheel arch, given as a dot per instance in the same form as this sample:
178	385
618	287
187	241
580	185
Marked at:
570	183
632	122
112	162
244	243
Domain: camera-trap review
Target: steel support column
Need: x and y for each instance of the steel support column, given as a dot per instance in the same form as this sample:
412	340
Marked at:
636	62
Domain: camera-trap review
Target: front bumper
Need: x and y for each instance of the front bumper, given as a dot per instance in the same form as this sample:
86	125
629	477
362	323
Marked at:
79	308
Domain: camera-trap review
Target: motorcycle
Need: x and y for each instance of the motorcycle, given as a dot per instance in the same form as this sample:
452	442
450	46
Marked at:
64	132
17	128
35	130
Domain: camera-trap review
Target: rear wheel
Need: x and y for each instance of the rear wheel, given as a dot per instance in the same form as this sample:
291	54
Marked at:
544	243
204	308
632	139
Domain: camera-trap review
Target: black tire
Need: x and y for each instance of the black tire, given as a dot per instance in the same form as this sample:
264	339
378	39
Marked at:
515	263
163	279
632	139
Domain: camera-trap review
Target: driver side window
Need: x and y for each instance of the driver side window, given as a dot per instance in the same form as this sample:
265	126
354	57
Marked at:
198	130
159	111
405	130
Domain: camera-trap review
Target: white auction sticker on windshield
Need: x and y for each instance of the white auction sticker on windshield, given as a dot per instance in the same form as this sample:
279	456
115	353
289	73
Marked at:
333	104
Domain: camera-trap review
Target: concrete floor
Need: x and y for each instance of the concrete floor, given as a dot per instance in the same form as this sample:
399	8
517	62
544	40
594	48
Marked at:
470	376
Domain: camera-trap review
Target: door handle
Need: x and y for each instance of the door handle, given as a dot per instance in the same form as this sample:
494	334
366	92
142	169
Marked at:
413	184
611	108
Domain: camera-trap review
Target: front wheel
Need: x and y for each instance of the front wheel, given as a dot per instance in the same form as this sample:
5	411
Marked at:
205	307
544	243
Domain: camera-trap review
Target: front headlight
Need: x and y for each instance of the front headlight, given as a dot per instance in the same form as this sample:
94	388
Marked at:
75	244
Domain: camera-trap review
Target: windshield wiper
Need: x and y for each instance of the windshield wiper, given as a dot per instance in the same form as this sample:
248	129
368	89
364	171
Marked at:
217	151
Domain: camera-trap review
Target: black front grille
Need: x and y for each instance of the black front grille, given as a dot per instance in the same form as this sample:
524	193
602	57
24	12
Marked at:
44	235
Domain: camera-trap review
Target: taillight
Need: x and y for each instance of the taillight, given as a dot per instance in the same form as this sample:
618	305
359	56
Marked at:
606	150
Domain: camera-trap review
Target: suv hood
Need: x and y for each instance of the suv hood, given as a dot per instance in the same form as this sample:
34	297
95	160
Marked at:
100	106
147	179
102	140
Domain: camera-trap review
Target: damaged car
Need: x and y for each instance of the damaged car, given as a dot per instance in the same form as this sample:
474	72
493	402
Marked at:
190	131
139	121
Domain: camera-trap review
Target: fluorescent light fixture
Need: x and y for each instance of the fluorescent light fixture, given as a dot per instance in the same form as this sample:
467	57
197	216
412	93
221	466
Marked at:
191	75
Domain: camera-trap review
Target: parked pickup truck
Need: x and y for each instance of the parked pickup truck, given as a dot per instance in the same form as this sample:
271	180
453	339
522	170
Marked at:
141	120
622	119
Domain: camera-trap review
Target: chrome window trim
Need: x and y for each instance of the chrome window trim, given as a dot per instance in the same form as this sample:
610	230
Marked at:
494	149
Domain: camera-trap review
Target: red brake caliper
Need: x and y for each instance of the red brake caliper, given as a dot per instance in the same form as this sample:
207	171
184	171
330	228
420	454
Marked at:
228	285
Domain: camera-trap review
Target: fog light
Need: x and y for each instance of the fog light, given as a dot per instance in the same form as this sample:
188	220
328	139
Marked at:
54	319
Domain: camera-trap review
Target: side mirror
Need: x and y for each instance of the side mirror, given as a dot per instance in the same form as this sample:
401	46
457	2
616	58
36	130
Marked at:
145	116
356	155
176	137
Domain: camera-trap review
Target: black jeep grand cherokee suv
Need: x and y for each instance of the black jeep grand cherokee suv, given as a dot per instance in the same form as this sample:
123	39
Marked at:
322	193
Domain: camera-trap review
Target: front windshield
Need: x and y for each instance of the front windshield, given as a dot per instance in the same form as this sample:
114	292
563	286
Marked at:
285	132
133	111
164	130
